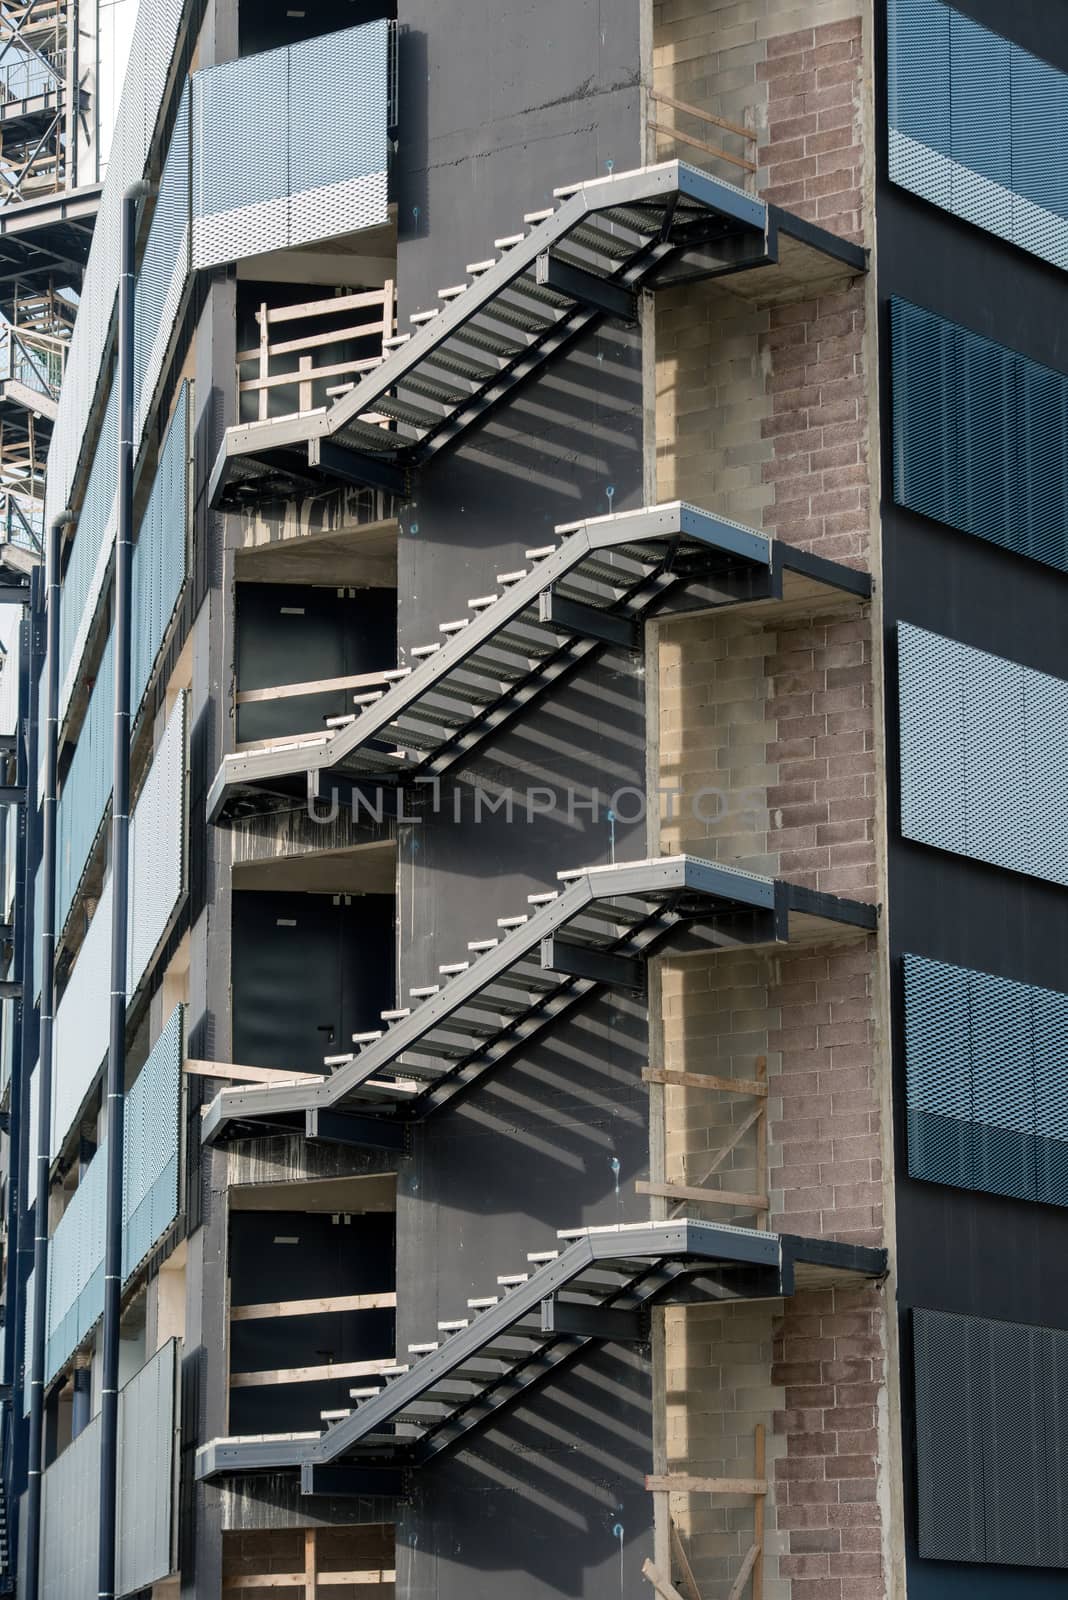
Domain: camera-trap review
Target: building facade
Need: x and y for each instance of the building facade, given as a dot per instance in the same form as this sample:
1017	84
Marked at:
594	1029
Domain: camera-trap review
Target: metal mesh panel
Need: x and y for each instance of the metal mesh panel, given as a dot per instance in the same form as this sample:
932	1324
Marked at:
146	1464
76	1268
70	1519
1053	1358
938	1078
919	108
84	578
157	829
1040	185
975	125
71	1491
151	53
150	1165
165	267
81	1027
325	177
1003	1086
159	556
932	739
1050	1025
986	1077
86	788
980	129
947	1352
1014	1456
979	755
997	813
980	436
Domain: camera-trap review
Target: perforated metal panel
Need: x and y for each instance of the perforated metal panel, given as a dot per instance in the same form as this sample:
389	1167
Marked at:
157	856
81	1027
151	54
71	1492
938	1075
83	580
947	1353
76	1268
147	1420
70	1500
150	1165
986	1075
165	266
980	435
305	131
159	556
86	788
976	125
981	755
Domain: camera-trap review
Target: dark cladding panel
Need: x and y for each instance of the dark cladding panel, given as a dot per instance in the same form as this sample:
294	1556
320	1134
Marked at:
949	1354
309	970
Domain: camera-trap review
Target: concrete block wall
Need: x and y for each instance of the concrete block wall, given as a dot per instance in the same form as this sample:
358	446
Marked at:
767	729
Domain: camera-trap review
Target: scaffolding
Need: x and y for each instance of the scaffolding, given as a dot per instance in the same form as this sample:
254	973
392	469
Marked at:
33	350
39	99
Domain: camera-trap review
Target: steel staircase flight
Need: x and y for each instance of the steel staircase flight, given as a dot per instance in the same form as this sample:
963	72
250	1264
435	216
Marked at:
598	1287
575	599
595	933
584	259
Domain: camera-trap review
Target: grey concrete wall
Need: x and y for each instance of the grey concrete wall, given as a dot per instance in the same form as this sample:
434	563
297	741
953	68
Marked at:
500	104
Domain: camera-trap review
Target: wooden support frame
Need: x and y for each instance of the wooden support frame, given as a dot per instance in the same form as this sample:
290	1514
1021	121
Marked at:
751	1570
386	1300
755	1121
301	370
335	1369
669	130
291	691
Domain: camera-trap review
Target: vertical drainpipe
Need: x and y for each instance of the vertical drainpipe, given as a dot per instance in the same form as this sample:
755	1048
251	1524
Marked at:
20	1245
120	841
43	1153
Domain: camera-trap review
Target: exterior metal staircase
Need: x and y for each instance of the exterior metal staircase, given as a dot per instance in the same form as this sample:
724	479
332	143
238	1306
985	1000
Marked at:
584	259
578	597
594	933
598	1287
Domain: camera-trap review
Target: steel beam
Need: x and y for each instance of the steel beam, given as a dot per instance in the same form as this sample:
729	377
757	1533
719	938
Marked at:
598	966
349	1481
566	1318
572	617
563	277
343	1127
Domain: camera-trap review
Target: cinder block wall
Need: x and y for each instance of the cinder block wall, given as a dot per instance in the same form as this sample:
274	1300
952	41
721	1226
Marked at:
762	415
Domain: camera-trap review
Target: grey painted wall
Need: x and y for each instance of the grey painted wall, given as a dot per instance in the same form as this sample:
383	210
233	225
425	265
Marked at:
500	103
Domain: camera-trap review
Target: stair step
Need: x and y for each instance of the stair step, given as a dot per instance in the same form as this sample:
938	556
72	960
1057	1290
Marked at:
541	1256
513	1280
425	992
539	216
543	899
453	968
422	1349
337	1061
541	552
481	601
453	292
396	1016
484	1303
365	1394
455	1325
395	340
505	578
511	922
425	649
425	316
335	1416
480	945
476	267
397	674
454	627
509	241
367	1038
